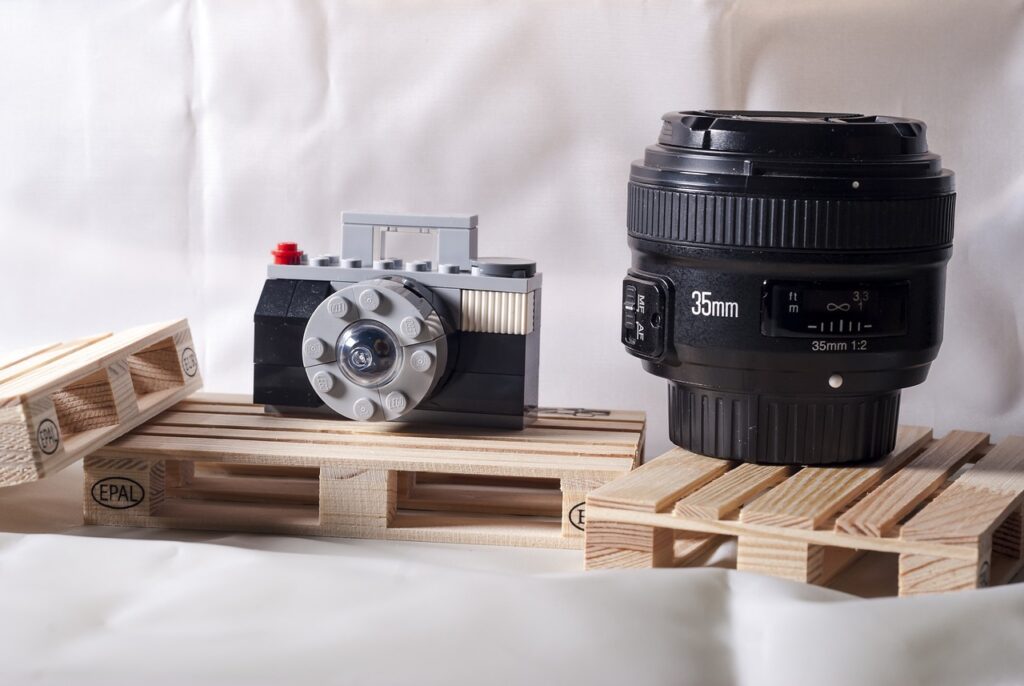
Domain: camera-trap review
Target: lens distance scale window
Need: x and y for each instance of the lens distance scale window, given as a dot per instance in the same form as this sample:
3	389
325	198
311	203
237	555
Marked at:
794	309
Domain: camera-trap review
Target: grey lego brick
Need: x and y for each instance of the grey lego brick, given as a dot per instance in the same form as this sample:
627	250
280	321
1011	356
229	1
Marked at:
486	393
357	242
456	246
433	279
433	221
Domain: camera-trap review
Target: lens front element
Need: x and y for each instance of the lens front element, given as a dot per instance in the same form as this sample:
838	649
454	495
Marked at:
369	354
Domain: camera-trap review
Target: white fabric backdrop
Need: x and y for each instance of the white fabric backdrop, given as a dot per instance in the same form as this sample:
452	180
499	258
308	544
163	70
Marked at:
153	152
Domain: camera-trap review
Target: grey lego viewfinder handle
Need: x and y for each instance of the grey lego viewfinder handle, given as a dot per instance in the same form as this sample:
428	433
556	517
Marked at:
455	236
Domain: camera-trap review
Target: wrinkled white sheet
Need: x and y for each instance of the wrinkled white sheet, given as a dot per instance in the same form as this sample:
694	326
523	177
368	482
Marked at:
153	152
116	606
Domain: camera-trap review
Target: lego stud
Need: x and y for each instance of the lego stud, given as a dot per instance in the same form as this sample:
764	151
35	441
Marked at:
448	269
418	266
323	382
396	402
314	348
421	361
411	327
363	409
351	263
337	306
369	299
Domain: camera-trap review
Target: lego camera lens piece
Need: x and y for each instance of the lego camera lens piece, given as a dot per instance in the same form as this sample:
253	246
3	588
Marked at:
369	354
787	279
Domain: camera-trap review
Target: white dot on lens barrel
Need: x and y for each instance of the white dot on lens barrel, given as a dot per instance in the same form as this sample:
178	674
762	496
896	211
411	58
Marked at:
856	184
835	381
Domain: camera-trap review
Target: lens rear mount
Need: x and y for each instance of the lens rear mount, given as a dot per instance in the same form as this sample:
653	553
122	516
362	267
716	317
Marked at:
783	430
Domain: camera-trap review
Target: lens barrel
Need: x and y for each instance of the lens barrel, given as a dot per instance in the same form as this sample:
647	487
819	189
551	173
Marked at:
788	278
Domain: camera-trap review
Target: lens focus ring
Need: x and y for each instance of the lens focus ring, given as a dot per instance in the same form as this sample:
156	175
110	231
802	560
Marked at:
730	220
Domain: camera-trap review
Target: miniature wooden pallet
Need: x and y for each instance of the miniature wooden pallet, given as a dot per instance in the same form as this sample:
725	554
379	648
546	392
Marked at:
950	508
60	402
219	463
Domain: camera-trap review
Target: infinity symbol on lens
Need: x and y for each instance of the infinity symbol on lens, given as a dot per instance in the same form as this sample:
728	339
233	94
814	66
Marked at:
832	307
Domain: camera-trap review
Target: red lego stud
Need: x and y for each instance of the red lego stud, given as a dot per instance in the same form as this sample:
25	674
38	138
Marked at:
287	253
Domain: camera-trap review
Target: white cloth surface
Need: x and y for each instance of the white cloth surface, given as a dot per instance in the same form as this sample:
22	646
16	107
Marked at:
153	152
119	606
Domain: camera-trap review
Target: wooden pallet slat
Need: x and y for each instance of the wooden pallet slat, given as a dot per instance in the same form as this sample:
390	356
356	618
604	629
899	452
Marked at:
974	504
18	364
227	468
236	425
814	494
660	483
725	495
880	512
60	402
952	524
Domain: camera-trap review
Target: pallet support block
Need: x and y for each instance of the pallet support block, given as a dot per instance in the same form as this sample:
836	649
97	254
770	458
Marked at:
130	488
921	574
634	546
354	499
795	560
229	466
574	496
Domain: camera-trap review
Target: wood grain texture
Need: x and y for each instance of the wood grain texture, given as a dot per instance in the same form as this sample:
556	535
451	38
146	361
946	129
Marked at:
616	545
688	547
977	502
727	493
8	359
658	484
814	494
920	574
330	477
20	364
294	430
794	560
878	513
60	402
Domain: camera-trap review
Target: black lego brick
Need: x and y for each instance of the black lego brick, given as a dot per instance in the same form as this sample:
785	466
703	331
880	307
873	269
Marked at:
491	353
480	393
275	298
280	320
307	296
277	342
277	385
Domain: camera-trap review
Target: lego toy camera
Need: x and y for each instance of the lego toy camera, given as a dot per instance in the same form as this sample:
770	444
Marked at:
374	338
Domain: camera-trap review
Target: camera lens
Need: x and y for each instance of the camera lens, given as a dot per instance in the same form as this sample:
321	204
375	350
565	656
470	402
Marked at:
788	277
368	353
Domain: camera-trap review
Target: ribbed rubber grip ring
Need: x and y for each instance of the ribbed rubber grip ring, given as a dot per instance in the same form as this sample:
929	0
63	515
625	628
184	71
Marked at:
782	430
730	220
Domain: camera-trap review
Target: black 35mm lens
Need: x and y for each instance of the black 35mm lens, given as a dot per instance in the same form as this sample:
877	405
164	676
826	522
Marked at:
788	278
